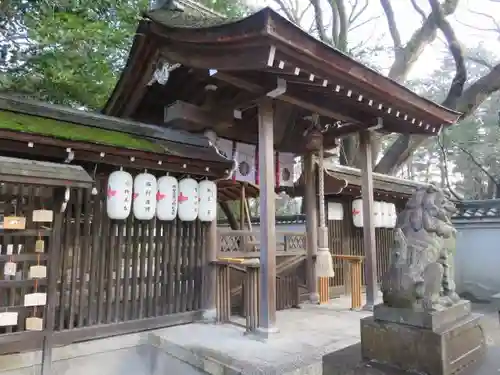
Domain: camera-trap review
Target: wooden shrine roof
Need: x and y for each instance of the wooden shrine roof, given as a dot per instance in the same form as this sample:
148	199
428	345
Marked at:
227	65
343	180
229	190
478	210
23	171
33	128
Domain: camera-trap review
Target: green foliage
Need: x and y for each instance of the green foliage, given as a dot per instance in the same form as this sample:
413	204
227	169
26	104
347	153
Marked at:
72	52
66	130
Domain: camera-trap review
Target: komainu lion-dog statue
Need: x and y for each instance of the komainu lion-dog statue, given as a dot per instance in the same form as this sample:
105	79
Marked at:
419	273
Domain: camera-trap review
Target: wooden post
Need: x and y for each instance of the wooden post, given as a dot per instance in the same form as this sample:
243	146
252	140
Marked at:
311	226
54	255
267	313
369	243
210	273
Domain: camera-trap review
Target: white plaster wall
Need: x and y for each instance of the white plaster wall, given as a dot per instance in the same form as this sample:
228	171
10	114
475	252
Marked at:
477	259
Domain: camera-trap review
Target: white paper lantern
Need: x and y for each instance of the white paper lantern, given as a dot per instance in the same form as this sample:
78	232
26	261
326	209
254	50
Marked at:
388	215
335	211
245	156
377	217
145	190
286	169
384	215
166	198
357	213
119	195
188	200
208	200
393	216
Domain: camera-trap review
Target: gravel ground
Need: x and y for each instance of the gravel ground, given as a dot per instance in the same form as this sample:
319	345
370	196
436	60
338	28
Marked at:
348	361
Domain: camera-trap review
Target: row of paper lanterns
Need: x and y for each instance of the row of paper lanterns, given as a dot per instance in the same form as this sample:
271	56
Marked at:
384	214
166	198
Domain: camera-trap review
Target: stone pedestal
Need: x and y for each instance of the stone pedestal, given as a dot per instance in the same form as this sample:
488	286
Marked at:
435	343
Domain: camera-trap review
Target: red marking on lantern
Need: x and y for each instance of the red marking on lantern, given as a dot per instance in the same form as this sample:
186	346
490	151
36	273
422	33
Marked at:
182	198
160	196
356	212
135	195
111	192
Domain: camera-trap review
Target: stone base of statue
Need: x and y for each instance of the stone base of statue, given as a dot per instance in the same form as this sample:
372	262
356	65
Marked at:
440	342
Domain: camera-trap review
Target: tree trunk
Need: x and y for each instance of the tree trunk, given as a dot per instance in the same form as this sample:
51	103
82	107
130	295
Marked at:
231	218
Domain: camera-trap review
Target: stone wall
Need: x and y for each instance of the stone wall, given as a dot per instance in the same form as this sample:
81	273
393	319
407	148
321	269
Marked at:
121	355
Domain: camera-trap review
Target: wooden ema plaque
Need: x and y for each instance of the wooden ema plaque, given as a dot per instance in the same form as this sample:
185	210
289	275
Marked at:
34	324
43	216
38	272
8	319
35	299
14	222
39	246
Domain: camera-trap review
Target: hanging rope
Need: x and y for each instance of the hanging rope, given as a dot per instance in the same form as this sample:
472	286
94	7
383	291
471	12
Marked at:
321	181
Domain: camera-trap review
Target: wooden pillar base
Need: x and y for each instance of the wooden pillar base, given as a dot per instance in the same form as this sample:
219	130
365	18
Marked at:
324	289
355	271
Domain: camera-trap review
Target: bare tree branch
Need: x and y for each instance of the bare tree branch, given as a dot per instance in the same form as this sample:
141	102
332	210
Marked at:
318	16
479	60
343	24
288	10
457	85
391	22
445	165
477	163
355	12
418	9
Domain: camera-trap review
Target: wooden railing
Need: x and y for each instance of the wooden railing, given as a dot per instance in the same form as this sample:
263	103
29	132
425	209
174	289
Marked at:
287	292
251	294
355	271
251	291
245	244
223	293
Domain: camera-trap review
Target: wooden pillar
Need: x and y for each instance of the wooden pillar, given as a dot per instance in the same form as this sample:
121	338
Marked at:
210	272
267	313
310	202
368	221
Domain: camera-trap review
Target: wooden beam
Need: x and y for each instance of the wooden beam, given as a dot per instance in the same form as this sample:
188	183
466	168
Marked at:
57	152
310	202
368	221
202	56
267	314
286	97
193	118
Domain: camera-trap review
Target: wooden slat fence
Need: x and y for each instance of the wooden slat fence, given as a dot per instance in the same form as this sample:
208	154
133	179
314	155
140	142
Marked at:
346	239
119	271
109	277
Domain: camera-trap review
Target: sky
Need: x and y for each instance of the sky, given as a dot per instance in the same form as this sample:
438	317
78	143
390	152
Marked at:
408	20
